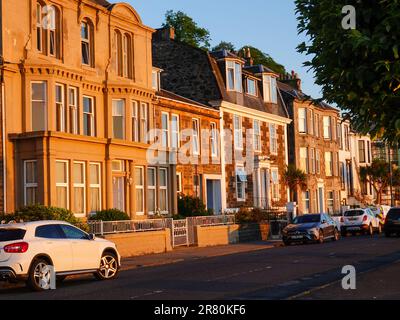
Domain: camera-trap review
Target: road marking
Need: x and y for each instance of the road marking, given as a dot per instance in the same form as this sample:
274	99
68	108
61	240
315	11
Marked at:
152	293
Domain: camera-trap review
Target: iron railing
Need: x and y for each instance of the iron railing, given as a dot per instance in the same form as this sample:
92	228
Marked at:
209	221
111	227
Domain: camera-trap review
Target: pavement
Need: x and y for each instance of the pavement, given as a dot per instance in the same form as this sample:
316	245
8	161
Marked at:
256	271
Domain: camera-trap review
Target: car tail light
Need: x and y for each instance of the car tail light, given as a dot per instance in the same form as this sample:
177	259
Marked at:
365	218
20	247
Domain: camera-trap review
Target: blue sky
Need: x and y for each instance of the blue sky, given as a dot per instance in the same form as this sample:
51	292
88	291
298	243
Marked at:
267	24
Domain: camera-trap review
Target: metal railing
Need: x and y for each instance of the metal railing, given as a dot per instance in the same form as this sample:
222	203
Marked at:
209	221
112	227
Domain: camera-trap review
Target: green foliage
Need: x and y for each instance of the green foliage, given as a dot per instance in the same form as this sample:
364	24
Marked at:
187	30
294	178
192	207
359	70
246	215
110	215
379	175
223	45
265	59
40	212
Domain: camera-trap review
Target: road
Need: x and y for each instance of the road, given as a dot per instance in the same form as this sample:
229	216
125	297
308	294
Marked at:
296	272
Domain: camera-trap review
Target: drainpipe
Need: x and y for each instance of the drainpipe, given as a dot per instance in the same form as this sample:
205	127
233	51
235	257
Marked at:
3	137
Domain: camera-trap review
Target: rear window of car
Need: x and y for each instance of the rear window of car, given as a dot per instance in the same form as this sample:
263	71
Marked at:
394	214
354	213
11	234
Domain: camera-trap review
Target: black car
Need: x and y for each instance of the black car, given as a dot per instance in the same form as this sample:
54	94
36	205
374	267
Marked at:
311	228
392	223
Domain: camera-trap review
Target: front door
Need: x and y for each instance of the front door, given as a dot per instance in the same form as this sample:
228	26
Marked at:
264	189
214	199
321	200
119	193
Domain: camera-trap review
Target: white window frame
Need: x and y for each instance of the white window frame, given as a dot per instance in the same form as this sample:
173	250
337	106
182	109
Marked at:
179	187
155	80
237	76
238	132
274	90
240	170
318	161
80	185
45	103
91	115
64	185
313	161
214	140
135	121
254	86
164	188
153	188
196	136
60	108
87	42
39	27
330	199
140	188
73	110
306	201
96	185
175	132
121	166
302	114
144	110
125	55
117	114
273	136
304	165
257	135
165	140
327	128
30	185
329	164
275	186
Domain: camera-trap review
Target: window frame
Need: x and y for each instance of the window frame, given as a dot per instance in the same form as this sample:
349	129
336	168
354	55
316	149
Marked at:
214	140
273	136
257	135
88	43
64	184
164	188
240	197
329	160
73	110
196	136
45	105
275	185
302	120
175	132
95	185
91	115
144	121
254	86
121	117
30	185
238	132
79	185
61	119
327	123
165	132
140	187
153	188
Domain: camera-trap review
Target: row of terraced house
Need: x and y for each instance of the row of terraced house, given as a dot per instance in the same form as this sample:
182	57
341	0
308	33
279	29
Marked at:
100	111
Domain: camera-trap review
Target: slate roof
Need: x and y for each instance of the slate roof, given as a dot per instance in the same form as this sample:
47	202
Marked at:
173	96
200	76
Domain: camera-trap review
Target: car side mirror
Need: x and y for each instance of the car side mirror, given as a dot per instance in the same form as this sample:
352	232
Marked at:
92	236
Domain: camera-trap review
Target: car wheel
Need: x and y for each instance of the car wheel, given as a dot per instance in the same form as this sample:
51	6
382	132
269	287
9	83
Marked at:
108	267
321	237
336	236
39	278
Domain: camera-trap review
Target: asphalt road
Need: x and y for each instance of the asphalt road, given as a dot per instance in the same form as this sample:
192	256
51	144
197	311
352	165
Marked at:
296	272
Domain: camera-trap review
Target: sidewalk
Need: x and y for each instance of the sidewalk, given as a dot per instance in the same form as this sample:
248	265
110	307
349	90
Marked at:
194	253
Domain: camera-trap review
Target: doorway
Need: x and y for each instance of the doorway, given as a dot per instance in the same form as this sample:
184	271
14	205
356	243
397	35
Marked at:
214	196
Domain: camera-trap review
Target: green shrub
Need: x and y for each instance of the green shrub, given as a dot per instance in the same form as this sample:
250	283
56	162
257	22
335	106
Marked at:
247	215
191	207
40	212
110	215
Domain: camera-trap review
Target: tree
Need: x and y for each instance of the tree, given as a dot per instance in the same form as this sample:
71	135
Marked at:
358	69
379	176
294	178
187	30
265	59
223	45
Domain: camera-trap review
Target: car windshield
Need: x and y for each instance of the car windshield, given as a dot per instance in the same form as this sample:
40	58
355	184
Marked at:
311	218
394	214
354	213
11	234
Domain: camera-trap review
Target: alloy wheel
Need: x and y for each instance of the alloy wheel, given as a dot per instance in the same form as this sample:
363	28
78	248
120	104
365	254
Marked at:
42	276
108	267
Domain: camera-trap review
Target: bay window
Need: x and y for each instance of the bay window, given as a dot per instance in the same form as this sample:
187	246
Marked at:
79	183
327	128
62	185
73	110
144	107
139	183
234	76
88	117
118	117
39	106
163	192
60	108
30	182
151	190
94	187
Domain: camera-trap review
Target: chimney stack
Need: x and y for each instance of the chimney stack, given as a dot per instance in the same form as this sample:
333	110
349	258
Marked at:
291	79
248	57
167	33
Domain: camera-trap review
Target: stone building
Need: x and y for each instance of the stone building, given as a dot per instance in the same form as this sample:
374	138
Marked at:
77	105
314	143
253	117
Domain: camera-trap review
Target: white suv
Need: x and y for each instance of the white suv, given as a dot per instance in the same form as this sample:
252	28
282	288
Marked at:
28	249
360	220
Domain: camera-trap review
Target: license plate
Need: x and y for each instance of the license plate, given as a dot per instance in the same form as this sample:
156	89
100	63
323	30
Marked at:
353	228
297	237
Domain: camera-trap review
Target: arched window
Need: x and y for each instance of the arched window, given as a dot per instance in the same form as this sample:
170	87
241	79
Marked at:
123	54
87	43
48	33
126	56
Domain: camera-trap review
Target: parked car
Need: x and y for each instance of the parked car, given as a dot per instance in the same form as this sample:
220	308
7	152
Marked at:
392	222
311	228
28	249
360	220
338	218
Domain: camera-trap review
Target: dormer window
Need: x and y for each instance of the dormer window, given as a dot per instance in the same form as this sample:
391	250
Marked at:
251	87
155	79
270	89
234	76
